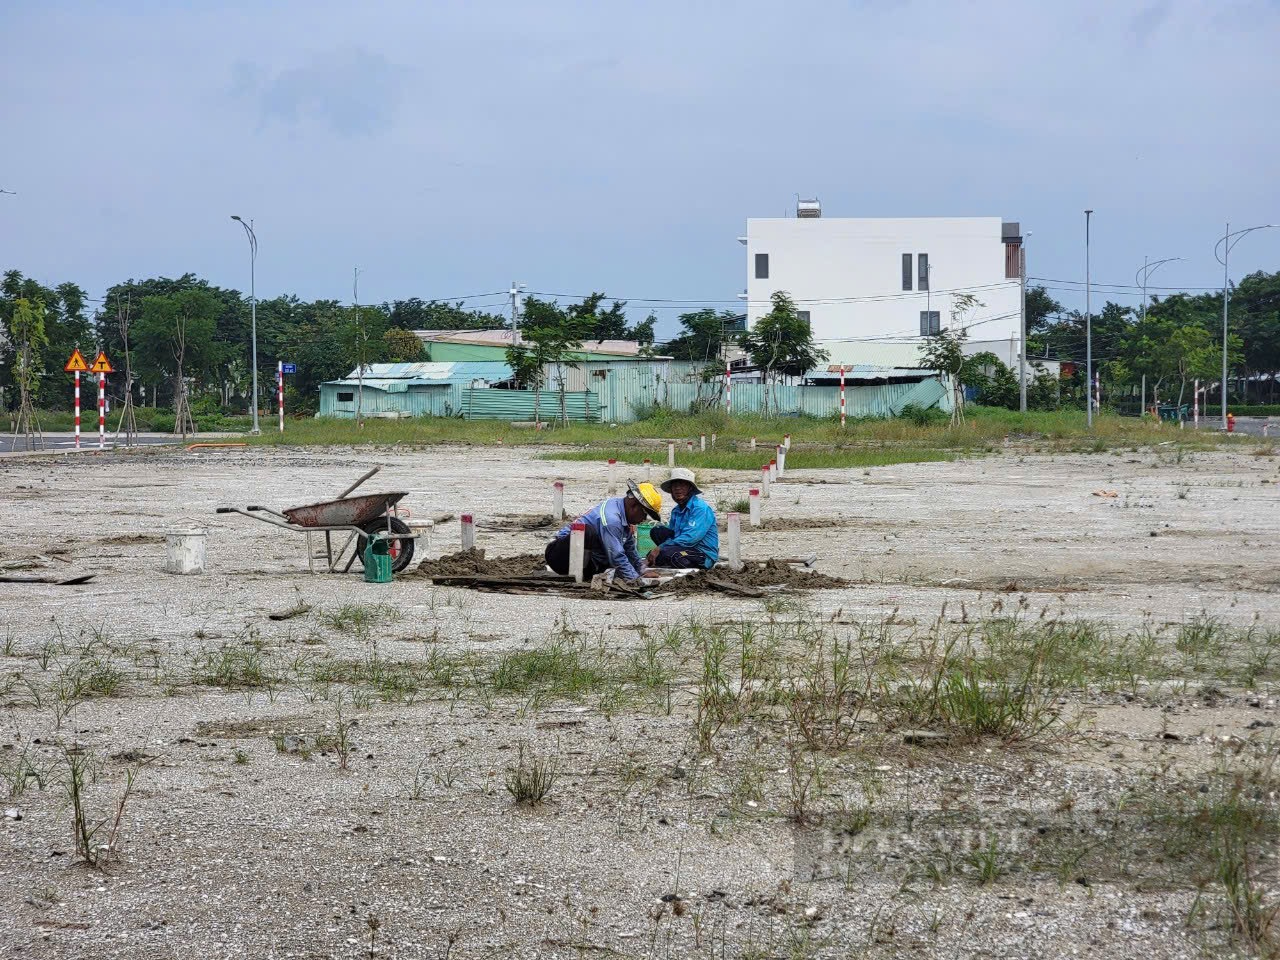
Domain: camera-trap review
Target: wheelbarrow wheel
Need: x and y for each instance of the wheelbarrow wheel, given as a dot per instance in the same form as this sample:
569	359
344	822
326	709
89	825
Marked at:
401	547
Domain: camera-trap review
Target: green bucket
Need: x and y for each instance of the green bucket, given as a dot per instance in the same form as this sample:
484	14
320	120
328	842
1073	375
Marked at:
377	561
644	542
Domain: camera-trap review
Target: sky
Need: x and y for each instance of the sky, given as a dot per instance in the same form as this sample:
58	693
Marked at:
448	149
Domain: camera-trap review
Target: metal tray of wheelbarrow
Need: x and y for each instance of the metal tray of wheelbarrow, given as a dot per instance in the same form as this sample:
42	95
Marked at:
351	512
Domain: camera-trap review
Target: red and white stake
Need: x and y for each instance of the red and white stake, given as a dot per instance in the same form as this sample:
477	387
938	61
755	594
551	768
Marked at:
557	500
102	411
468	532
842	396
577	549
753	499
728	389
765	477
613	476
77	409
280	391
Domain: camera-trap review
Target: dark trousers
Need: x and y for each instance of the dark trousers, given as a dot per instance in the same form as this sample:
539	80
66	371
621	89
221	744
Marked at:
677	558
557	555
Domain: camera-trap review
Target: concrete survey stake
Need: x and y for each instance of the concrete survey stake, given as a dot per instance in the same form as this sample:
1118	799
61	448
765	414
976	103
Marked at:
577	549
468	532
764	480
613	477
733	546
753	498
557	500
671	454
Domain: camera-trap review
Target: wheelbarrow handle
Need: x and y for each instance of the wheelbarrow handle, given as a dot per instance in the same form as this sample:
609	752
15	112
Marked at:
253	509
225	510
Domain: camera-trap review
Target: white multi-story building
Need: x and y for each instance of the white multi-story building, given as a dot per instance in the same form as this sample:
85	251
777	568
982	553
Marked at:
886	279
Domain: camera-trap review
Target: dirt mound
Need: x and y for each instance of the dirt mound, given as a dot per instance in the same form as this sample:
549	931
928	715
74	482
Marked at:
466	563
770	573
521	521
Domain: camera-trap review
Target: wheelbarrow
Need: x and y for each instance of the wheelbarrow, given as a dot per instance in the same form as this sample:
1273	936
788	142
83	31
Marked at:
362	518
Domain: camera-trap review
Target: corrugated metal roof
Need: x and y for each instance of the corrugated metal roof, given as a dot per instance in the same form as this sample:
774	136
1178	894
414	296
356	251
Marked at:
428	373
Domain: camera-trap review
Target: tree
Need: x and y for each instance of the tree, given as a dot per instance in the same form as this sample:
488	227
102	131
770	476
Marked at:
556	336
781	343
944	351
401	346
995	384
175	334
416	314
26	332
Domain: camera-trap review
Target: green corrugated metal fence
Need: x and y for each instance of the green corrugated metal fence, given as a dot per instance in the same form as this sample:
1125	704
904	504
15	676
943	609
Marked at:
518	405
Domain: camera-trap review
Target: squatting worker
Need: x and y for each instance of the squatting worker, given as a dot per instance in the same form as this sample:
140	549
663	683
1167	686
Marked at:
691	539
610	541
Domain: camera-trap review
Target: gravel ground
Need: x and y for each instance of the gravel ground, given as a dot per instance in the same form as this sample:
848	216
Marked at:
646	846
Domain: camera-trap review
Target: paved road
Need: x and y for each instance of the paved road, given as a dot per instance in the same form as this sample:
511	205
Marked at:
1255	426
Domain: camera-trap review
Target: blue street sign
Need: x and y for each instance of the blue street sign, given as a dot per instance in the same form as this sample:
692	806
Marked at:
288	368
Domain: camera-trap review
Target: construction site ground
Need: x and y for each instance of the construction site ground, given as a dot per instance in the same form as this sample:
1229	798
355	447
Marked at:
340	781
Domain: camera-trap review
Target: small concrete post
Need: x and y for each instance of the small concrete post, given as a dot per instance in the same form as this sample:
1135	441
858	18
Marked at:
786	440
577	549
764	481
702	442
648	470
671	454
753	497
713	441
782	461
613	476
557	500
733	535
468	532
689	446
773	470
753	443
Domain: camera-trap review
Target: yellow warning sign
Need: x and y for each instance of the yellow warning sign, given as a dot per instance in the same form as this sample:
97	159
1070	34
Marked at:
76	364
102	364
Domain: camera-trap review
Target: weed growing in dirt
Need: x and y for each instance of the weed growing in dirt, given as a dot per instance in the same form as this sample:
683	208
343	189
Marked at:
80	771
530	781
359	617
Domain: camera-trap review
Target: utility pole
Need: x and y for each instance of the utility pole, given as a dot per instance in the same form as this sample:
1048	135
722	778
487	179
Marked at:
514	292
355	299
1088	328
1227	243
253	315
1022	352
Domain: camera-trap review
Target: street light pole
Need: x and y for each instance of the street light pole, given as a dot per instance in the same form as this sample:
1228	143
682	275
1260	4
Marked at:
1088	328
1227	243
253	314
1022	349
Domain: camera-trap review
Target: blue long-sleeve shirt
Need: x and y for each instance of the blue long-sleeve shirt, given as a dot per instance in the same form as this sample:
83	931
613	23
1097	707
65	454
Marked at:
617	544
694	525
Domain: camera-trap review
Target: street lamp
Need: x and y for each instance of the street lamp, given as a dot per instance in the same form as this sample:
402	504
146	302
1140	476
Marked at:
1227	243
1088	329
1140	278
253	314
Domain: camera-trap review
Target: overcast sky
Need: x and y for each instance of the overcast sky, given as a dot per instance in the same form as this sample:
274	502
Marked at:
450	148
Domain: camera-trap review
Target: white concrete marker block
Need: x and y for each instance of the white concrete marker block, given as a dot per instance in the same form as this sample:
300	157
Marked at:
764	480
557	501
753	497
782	461
648	470
713	441
702	442
671	454
577	549
613	476
773	470
733	537
786	440
753	443
689	446
468	532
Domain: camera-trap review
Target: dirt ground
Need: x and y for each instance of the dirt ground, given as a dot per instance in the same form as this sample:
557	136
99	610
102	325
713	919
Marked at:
336	783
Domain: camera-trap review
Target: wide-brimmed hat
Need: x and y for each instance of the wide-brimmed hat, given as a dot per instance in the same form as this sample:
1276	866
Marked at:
680	473
647	497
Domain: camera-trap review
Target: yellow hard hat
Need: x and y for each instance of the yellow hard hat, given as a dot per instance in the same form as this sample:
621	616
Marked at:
647	496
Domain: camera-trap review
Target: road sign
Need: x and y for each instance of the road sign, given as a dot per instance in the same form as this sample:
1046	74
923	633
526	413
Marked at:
288	368
76	364
102	364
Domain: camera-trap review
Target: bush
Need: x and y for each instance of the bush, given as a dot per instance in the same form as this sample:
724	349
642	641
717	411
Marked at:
920	416
1257	410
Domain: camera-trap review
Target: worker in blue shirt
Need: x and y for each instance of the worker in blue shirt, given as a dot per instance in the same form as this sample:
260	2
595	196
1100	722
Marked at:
610	540
691	539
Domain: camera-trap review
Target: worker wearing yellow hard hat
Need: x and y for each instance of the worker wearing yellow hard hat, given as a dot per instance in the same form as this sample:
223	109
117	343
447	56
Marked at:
609	537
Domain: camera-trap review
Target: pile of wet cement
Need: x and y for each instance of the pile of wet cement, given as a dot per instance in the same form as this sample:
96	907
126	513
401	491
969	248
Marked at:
474	563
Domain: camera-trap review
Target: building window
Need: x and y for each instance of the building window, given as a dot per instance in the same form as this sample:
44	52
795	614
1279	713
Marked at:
923	260
930	323
762	266
804	318
346	397
906	271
